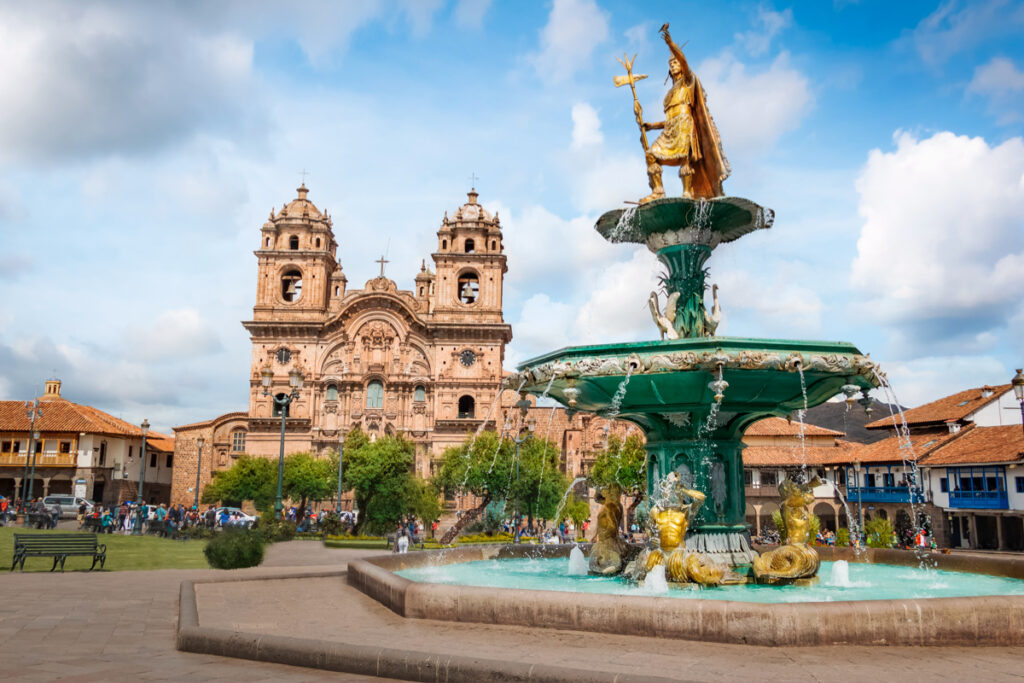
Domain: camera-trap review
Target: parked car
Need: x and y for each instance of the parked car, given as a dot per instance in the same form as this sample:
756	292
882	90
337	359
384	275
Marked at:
238	518
68	505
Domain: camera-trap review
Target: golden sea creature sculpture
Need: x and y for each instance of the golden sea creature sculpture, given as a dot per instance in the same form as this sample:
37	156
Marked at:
795	559
689	138
671	522
609	548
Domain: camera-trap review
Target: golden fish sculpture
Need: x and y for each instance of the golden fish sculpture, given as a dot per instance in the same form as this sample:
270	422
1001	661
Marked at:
795	560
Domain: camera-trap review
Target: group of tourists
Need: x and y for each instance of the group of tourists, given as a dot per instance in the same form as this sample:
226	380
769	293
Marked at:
42	516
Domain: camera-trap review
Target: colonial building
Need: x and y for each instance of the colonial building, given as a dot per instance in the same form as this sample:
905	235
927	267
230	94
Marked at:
424	362
80	451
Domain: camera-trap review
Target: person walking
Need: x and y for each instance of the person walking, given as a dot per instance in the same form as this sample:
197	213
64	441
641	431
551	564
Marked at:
4	504
81	514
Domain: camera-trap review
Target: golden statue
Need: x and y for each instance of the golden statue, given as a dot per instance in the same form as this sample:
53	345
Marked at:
689	138
606	554
795	559
672	523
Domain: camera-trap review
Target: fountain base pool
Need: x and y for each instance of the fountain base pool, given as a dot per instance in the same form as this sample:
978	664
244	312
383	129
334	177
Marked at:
884	598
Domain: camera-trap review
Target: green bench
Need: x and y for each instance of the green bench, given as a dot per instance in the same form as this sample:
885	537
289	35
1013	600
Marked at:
59	547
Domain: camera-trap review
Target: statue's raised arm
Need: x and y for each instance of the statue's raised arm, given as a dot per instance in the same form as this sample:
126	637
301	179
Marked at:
676	51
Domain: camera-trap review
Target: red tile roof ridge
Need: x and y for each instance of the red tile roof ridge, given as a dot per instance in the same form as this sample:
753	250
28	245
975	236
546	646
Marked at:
772	426
947	408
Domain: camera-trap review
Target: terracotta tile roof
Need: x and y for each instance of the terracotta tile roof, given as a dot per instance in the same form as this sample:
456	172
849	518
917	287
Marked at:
923	443
842	452
160	442
207	423
954	407
778	426
981	445
61	415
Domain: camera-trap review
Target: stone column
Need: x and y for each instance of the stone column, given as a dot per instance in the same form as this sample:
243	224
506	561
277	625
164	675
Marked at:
46	486
1000	541
972	525
757	519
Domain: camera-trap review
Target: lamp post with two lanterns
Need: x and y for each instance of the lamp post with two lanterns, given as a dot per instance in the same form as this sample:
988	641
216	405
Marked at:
525	432
199	463
137	530
32	411
282	403
1018	391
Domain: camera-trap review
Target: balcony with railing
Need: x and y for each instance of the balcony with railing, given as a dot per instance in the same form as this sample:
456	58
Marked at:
42	460
884	494
979	500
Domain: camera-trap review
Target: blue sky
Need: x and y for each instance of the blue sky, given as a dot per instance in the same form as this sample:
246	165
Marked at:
143	144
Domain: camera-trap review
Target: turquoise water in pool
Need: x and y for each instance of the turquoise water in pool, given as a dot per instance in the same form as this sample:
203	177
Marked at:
865	582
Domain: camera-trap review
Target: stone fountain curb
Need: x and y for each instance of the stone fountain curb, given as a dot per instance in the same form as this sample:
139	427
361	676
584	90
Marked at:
332	655
988	620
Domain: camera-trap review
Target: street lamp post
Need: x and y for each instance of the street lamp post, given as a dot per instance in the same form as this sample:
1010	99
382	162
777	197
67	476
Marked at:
860	505
282	403
1018	391
341	452
137	531
32	411
199	463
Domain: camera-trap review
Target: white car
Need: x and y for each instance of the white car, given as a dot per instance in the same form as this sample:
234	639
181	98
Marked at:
235	517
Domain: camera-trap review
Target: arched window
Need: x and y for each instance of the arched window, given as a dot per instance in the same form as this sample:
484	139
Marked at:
238	441
494	245
470	246
268	241
279	408
332	393
374	395
293	242
444	245
317	242
466	407
420	395
291	285
469	288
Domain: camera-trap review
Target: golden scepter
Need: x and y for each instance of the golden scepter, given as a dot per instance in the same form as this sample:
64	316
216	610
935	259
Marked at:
632	78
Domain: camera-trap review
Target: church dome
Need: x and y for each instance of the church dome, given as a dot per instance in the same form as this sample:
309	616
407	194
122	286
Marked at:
471	211
300	207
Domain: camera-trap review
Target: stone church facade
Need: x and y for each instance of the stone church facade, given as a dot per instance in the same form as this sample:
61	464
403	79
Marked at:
425	363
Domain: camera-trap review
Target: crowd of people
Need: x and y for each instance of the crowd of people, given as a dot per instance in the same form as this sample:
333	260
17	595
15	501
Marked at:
45	517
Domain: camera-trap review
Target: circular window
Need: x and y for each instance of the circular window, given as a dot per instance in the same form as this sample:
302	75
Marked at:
283	356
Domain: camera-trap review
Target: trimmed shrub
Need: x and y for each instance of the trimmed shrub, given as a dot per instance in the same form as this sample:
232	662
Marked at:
234	549
879	533
331	524
842	537
273	530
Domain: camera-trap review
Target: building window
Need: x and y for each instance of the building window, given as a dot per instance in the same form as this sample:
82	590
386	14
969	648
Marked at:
238	441
444	245
374	395
103	454
494	245
469	288
293	242
332	393
748	477
944	484
268	242
337	291
421	395
65	447
5	447
317	242
170	460
291	286
888	479
130	452
152	459
466	407
470	246
279	408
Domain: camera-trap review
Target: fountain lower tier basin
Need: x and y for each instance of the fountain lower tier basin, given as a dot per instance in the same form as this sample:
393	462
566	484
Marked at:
889	600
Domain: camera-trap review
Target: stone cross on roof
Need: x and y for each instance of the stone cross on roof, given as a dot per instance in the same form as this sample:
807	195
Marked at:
382	261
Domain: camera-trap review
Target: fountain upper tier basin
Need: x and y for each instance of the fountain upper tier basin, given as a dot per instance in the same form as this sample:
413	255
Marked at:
678	220
668	380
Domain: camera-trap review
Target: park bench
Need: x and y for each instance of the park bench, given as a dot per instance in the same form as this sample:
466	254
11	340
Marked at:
59	547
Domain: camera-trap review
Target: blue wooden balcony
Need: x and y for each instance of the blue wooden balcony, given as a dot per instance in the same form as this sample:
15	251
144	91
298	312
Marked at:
883	494
979	500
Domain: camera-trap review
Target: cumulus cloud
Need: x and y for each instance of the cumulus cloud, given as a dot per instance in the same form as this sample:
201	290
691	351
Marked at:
586	126
941	248
180	333
617	307
926	379
775	303
768	25
780	95
955	27
574	29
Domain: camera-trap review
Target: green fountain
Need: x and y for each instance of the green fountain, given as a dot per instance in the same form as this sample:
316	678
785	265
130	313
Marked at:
693	393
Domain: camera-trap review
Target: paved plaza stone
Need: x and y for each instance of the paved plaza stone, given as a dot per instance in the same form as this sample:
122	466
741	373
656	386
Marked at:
119	626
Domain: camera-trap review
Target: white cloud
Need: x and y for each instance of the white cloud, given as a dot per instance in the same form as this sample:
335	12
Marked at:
769	24
926	379
544	325
1002	83
586	126
780	95
941	248
574	29
174	334
950	30
778	304
469	14
617	307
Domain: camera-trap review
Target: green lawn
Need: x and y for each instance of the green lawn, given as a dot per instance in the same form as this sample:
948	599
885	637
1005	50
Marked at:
123	553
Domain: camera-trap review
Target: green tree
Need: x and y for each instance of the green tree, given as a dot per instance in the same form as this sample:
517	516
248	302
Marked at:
623	462
380	474
309	479
879	533
577	510
481	467
250	478
537	483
